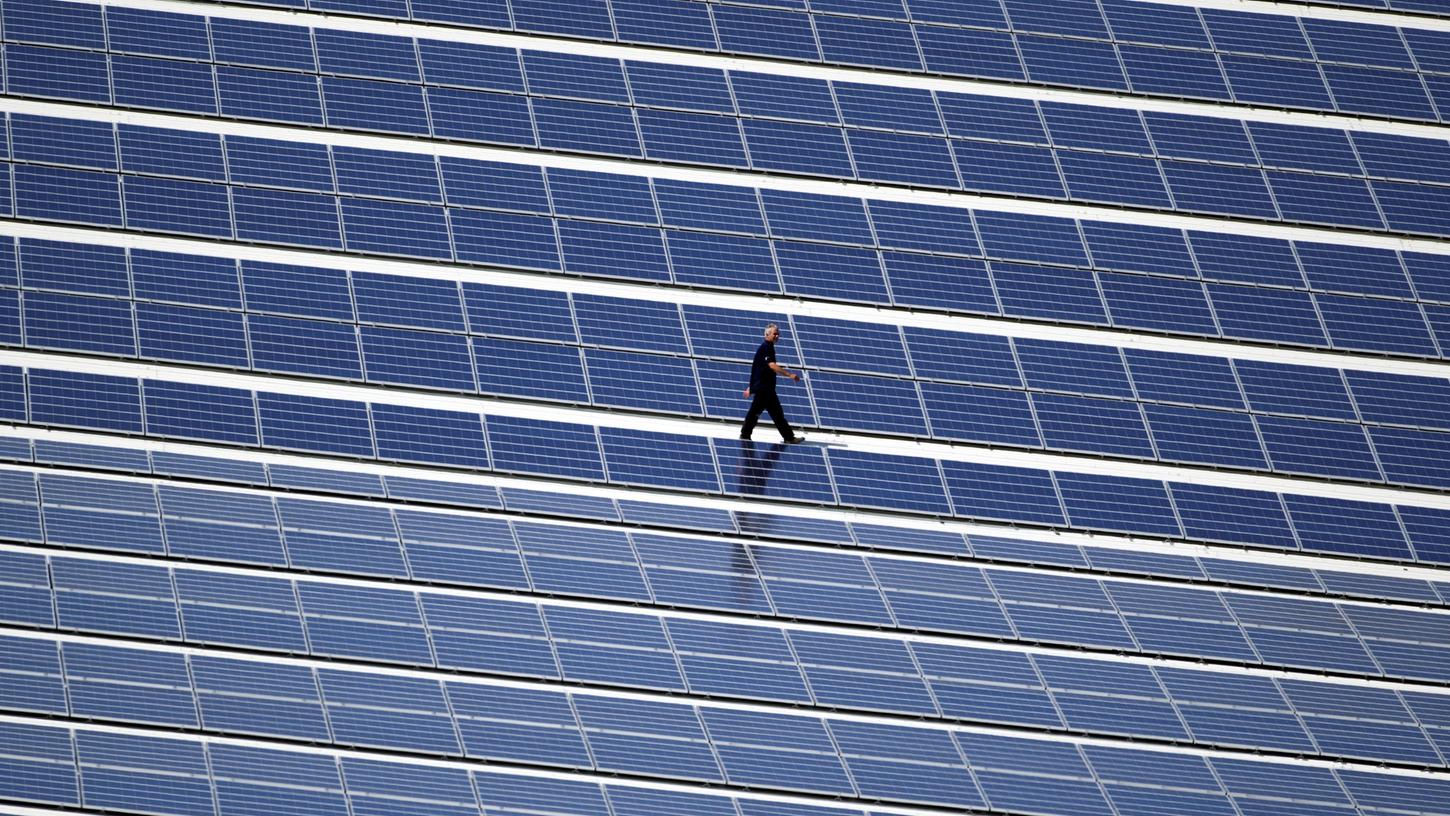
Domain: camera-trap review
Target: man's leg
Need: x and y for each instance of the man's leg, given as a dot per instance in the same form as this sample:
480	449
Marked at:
752	416
777	413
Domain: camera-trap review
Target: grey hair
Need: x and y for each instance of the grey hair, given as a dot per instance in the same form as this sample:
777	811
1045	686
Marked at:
769	326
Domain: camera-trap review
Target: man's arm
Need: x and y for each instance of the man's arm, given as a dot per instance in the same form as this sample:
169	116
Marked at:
780	369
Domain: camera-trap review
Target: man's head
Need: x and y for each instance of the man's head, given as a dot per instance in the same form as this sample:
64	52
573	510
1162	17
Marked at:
772	333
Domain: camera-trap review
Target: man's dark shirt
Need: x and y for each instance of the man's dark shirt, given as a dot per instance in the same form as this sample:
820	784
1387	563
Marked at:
762	376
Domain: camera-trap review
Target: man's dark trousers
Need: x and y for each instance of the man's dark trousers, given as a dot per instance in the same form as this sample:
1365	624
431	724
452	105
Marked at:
769	402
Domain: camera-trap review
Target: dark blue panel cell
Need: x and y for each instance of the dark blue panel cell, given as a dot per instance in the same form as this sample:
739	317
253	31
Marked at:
1142	302
1299	390
304	346
255	781
1276	82
1092	425
1183	378
601	195
1051	365
920	160
896	482
856	672
10	330
669	22
1379	792
1229	514
1205	437
271	45
575	75
366	55
701	573
504	238
613	250
1138	704
9	268
465	550
1278	35
611	321
1408	207
297	290
724	261
370	105
492	184
477	116
659	460
187	207
1156	23
518	793
1304	148
407	301
79	323
193	335
1008	168
725	659
970	413
1246	258
54	194
386	174
272	163
826	586
1219	189
513	367
1429	532
614	378
817	217
717	333
1266	314
132	599
1379	91
165	84
589	18
1318	448
789	147
1324	199
408	713
1080	18
868	403
955	284
844	273
1376	325
1031	238
281	96
430	436
969	52
107	682
906	764
757	469
923	227
784	97
171	152
84	400
1332	267
875	43
516	312
1347	527
761	31
709	206
977	358
1081	63
43	22
73	267
1403	157
1400	399
1093	128
1412	456
1051	293
284	217
586	126
886	108
119	770
57	74
1427	46
1113	503
64	141
543	447
523	725
466	64
1004	493
314	424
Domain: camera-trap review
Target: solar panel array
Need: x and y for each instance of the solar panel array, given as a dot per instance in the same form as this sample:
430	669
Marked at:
369	372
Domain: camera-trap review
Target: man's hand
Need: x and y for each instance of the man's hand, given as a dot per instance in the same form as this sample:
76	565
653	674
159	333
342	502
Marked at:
795	377
747	393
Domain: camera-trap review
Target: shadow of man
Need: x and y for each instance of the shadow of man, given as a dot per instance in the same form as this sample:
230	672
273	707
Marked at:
757	461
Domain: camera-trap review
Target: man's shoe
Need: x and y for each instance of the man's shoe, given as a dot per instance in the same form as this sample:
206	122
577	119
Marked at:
795	440
745	437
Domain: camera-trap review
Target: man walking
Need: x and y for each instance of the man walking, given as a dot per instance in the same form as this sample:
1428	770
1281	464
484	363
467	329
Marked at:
761	392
